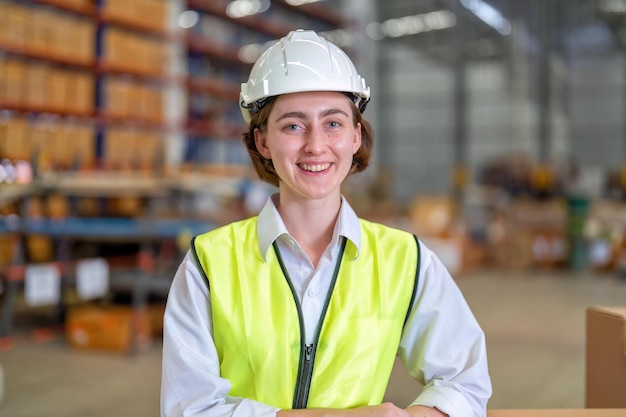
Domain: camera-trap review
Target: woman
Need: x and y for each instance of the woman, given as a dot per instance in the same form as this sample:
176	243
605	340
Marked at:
302	309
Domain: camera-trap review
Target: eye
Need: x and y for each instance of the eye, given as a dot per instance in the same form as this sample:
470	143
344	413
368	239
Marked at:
292	127
334	124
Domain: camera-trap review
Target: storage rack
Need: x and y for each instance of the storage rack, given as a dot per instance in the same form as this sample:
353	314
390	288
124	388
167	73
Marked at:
87	115
108	89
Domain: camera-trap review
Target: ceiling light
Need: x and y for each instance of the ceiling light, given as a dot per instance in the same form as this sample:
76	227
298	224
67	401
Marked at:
411	25
489	15
300	2
241	8
375	31
188	19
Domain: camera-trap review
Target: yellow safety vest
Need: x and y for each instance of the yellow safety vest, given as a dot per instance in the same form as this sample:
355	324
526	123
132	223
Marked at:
259	329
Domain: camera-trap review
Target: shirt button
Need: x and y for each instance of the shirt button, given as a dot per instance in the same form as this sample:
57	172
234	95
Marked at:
310	293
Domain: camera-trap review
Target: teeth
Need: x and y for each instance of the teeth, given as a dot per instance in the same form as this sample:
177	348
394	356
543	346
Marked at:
315	168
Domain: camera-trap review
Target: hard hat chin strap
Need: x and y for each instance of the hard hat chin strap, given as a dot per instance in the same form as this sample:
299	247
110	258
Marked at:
359	102
256	106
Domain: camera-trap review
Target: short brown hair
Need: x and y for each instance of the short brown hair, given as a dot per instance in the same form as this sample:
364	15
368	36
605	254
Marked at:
265	168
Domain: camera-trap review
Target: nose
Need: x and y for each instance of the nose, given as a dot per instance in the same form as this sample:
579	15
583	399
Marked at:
315	141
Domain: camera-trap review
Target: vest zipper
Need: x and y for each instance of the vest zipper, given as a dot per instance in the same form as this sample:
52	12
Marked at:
307	352
304	382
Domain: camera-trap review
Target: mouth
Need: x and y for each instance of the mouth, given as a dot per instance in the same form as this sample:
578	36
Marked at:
315	167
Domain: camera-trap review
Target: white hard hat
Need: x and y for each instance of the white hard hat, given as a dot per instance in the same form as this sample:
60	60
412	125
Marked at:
301	61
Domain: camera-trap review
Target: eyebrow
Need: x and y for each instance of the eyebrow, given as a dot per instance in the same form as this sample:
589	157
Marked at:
302	115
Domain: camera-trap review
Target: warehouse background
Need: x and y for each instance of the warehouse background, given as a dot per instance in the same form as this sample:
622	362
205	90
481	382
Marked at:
549	86
500	141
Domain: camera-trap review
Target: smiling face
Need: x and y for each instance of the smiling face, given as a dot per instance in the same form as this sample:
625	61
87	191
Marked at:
311	138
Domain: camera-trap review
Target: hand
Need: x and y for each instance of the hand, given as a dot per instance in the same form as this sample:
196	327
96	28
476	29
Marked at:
422	411
382	410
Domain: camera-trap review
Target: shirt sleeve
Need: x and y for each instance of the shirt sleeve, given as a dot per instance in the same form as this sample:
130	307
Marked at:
191	384
443	346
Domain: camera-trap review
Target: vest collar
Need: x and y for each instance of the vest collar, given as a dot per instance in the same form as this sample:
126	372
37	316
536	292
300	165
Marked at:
270	226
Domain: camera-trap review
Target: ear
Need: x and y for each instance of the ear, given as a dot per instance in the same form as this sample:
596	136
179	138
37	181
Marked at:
357	139
260	140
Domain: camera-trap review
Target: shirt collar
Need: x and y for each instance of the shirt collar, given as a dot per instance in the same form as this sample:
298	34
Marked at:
270	227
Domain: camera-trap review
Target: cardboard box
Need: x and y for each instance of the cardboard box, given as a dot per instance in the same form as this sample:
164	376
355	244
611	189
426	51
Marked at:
107	327
432	215
14	79
606	357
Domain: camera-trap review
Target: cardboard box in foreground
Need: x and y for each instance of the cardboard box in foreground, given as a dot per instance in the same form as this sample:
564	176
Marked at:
606	357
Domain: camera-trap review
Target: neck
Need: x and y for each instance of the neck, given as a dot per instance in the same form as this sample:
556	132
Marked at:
310	223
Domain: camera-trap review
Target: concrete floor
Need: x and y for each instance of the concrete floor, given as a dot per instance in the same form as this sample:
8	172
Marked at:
534	322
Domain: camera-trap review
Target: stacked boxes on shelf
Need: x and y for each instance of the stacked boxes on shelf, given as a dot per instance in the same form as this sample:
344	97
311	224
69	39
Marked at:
106	63
148	14
14	140
51	142
46	80
61	146
43	87
71	72
132	149
134	57
36	30
133	51
128	99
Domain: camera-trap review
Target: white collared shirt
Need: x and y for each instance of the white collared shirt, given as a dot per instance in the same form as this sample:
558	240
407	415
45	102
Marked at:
311	284
442	345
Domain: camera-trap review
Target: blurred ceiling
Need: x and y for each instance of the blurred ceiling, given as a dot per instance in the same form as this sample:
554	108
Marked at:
569	27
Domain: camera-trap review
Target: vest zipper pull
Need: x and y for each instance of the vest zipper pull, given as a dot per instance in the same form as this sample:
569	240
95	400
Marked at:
307	374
